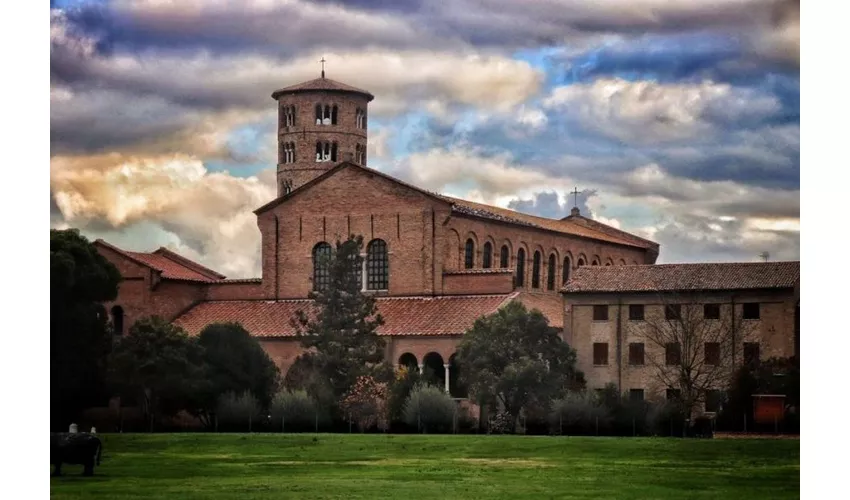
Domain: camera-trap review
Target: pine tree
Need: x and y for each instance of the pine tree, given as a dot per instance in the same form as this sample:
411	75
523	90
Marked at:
340	332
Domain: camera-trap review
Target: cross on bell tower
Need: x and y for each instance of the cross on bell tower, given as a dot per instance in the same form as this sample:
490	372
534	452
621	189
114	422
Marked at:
575	210
322	60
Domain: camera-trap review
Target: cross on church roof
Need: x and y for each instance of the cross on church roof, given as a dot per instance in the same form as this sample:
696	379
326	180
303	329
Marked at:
322	60
575	196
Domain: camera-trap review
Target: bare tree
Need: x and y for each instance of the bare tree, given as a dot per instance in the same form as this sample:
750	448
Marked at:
695	342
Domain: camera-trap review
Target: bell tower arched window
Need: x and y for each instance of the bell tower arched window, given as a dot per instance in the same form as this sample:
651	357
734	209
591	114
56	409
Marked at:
326	151
360	154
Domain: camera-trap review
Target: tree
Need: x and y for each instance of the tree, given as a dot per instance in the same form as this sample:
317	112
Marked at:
772	376
160	364
366	404
340	330
693	346
81	279
515	358
236	362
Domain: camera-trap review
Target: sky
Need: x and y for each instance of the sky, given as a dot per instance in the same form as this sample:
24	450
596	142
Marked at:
677	120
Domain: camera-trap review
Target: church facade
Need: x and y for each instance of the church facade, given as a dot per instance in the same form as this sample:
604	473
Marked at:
435	263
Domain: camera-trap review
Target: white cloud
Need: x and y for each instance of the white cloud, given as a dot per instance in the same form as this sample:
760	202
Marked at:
646	111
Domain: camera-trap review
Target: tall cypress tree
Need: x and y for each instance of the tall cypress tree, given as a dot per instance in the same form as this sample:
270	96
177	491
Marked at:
340	329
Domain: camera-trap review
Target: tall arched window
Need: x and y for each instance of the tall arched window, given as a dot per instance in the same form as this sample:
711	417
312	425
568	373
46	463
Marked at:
535	271
566	269
318	114
504	257
118	320
580	262
595	262
359	154
377	266
487	256
550	273
469	254
326	151
520	267
334	113
321	266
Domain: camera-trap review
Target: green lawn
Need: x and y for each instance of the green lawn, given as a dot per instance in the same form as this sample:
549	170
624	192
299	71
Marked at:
422	467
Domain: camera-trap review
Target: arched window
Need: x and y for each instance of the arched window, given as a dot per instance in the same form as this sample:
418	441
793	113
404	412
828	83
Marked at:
334	112
535	271
520	267
504	257
318	114
487	256
566	269
288	114
321	266
333	151
326	151
377	266
327	116
358	154
288	153
118	320
550	273
595	262
469	254
361	118
622	262
580	262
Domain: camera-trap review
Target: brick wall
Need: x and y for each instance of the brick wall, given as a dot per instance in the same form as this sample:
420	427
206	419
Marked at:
235	291
460	283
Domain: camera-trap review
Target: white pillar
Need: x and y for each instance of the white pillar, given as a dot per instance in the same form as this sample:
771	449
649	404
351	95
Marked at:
446	366
421	368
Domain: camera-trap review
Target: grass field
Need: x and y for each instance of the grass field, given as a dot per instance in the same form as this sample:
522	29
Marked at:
421	467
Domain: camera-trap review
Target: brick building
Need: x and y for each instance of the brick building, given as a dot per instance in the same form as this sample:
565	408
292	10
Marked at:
436	263
731	313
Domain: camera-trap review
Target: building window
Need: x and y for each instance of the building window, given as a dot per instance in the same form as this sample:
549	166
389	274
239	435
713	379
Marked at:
635	312
318	114
326	115
520	267
377	266
117	320
674	394
635	394
551	272
504	257
566	269
326	151
360	154
288	155
711	311
751	310
469	254
321	266
535	270
712	353
487	256
751	353
600	312
580	262
288	113
713	400
673	354
360	117
600	353
673	311
636	354
334	113
595	262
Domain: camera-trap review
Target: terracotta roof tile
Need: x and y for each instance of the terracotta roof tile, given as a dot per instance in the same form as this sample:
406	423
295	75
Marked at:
493	270
550	304
170	265
684	277
448	315
594	230
320	84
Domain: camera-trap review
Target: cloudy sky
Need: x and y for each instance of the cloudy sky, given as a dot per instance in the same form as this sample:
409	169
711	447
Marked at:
678	120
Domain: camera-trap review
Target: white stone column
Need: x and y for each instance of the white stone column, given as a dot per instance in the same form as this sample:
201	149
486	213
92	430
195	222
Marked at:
421	368
446	366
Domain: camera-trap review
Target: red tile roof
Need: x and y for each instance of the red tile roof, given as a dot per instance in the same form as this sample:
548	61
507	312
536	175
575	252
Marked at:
492	270
447	315
550	304
320	84
684	277
170	265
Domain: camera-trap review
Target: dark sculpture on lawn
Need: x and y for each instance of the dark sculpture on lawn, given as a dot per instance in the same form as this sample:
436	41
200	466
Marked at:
75	448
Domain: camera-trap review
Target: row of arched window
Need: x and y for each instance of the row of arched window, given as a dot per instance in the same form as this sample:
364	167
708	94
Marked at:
326	114
536	263
288	153
375	266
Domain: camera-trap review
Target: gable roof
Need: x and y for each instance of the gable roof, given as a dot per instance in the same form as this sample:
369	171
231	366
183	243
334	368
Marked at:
573	226
169	264
684	277
325	84
441	315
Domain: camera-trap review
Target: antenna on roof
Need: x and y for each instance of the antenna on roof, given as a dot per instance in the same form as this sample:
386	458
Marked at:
765	256
323	65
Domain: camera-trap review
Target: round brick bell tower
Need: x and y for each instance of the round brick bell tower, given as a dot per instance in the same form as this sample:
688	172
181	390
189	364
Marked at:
320	124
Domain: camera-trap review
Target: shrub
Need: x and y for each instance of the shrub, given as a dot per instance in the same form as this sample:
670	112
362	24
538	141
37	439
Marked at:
365	404
501	423
429	409
237	411
405	381
580	413
297	411
666	419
